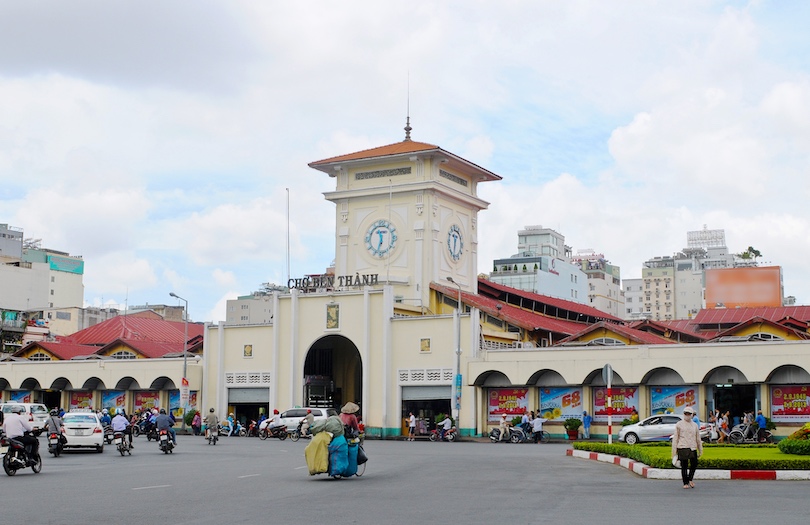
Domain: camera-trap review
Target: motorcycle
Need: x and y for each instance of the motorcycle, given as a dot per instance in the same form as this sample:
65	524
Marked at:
142	427
297	434
449	436
122	443
212	435
516	435
108	434
279	432
55	444
165	442
17	457
253	429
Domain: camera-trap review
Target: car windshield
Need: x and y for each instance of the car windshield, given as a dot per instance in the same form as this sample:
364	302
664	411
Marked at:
79	418
39	410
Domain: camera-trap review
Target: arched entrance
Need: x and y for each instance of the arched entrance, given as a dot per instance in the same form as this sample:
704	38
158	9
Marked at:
333	373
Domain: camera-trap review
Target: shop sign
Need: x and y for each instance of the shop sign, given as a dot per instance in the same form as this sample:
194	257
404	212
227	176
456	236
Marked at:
329	281
624	400
559	404
512	401
83	400
789	403
146	400
672	399
113	399
21	396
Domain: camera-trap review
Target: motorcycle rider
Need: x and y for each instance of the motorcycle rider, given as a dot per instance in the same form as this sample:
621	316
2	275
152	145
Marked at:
15	426
445	424
120	423
211	421
308	421
165	422
105	418
54	425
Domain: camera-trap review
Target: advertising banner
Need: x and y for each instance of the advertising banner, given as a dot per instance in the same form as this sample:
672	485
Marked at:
22	396
559	404
513	401
624	401
113	399
789	403
81	400
672	399
175	402
146	400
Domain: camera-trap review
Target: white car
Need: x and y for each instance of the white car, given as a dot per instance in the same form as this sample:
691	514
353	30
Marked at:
83	430
37	412
656	428
292	416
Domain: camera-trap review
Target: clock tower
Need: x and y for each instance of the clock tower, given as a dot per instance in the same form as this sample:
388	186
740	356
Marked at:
407	212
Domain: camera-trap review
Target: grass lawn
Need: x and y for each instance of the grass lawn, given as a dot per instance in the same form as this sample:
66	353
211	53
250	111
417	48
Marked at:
744	457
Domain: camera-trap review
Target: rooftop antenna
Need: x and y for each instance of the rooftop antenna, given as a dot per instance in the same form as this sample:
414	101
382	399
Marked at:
408	127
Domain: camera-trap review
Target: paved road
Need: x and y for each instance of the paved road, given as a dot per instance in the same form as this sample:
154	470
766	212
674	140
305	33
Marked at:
244	479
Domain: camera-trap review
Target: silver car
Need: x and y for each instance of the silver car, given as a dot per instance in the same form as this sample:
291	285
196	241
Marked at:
656	428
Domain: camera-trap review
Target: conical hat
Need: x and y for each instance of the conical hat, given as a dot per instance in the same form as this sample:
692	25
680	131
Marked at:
350	408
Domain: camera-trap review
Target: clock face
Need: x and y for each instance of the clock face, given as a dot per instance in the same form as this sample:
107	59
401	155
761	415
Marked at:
455	242
381	238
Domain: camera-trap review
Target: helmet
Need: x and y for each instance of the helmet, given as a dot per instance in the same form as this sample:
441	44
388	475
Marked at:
309	411
275	411
104	411
162	410
211	410
54	412
18	409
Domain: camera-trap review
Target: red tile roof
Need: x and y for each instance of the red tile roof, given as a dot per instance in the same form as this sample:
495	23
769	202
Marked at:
760	320
63	351
135	328
513	315
683	326
398	148
403	148
150	349
637	336
720	316
496	290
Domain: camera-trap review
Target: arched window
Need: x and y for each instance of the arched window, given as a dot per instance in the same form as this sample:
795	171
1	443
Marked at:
39	356
605	341
763	336
123	354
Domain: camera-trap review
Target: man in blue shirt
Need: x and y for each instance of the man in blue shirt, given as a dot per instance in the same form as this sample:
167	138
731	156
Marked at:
762	423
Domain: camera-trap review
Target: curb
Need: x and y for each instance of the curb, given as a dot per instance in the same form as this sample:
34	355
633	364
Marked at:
648	472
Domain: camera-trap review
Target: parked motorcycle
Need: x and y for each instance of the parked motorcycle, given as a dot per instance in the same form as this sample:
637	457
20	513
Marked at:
165	442
449	436
279	432
122	443
516	435
55	444
17	458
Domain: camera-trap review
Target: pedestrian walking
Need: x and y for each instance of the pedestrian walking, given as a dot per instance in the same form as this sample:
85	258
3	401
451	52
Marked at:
687	447
586	425
411	427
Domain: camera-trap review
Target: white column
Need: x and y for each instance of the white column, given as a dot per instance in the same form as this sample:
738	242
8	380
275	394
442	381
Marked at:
205	395
275	353
388	313
222	391
294	372
364	351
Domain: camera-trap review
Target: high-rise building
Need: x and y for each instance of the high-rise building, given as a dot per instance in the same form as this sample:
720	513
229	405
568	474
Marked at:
543	266
604	282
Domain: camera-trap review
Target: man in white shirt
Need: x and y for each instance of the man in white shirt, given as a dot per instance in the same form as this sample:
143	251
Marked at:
120	423
504	426
15	426
537	427
446	424
411	427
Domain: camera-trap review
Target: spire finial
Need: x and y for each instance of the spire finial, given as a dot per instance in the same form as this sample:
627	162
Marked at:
408	127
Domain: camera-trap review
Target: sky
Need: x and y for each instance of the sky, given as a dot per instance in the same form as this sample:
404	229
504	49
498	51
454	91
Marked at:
160	140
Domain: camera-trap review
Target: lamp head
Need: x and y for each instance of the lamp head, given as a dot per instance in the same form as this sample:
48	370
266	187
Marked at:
450	279
172	294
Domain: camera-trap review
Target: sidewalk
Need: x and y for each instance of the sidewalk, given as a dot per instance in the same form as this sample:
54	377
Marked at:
675	474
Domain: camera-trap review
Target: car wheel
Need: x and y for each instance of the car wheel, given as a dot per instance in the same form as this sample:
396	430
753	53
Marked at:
631	439
100	449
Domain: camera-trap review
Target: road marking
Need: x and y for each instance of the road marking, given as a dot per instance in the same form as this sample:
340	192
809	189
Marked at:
249	476
152	487
298	468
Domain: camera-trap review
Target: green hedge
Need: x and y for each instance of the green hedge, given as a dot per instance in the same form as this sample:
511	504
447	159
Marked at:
657	455
799	447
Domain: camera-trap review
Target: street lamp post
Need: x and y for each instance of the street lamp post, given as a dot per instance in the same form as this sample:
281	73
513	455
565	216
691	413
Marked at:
185	350
458	359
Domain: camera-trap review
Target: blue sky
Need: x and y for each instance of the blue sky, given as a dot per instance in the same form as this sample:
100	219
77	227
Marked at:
157	140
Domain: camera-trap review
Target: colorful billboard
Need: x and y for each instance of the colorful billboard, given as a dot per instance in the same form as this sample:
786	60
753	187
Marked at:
624	400
146	401
789	403
559	404
672	399
81	400
512	401
174	402
21	396
744	287
113	399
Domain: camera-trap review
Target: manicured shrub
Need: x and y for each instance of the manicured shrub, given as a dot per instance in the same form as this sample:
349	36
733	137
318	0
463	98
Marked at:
799	447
